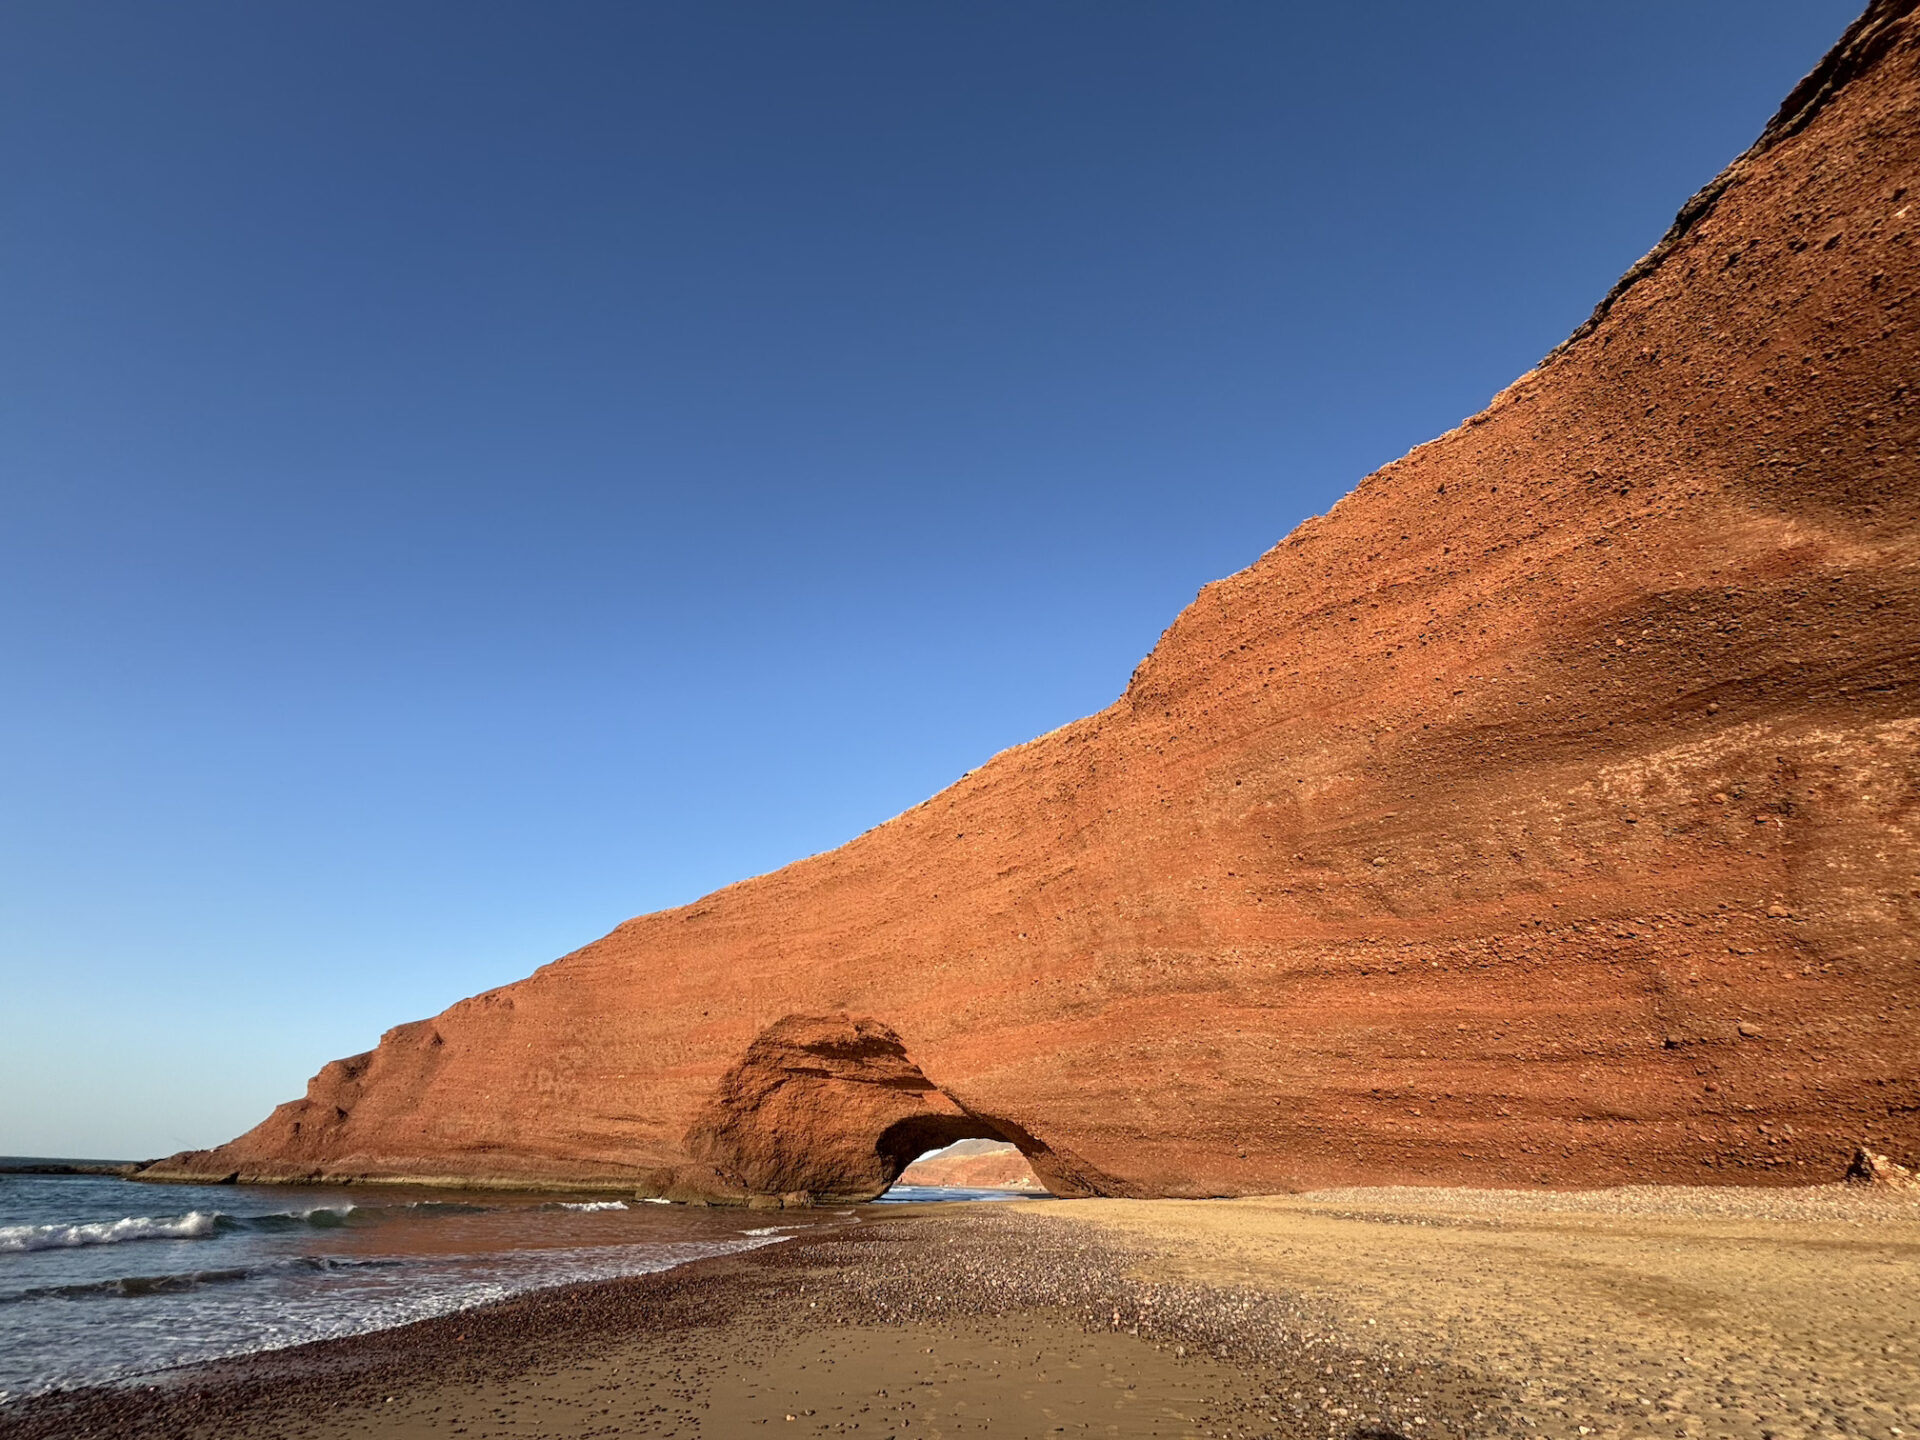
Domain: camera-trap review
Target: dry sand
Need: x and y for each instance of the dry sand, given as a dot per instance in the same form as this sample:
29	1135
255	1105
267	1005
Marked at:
1350	1314
1671	1311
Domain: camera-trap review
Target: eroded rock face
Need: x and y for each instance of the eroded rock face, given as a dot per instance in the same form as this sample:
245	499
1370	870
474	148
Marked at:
822	1106
1546	813
829	1108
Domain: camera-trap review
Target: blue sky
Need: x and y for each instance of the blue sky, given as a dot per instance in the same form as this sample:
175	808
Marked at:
470	473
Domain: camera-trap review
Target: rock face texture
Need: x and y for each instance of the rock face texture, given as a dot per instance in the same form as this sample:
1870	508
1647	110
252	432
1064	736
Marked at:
831	1108
1546	813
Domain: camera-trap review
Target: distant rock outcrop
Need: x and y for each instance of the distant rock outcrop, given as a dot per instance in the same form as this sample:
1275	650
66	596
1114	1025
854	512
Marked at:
1877	1170
975	1165
1546	813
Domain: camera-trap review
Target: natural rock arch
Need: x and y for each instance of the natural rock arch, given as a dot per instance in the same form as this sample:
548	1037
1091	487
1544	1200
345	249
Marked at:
1546	813
829	1109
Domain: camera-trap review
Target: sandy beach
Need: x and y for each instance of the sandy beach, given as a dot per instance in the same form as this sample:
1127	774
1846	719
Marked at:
1671	1311
1682	1312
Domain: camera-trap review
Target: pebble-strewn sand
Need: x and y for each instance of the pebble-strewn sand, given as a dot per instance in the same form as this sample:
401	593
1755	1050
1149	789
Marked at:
1642	1311
1356	1315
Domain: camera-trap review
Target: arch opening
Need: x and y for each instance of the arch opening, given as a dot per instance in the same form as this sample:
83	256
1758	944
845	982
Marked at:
906	1141
830	1109
975	1166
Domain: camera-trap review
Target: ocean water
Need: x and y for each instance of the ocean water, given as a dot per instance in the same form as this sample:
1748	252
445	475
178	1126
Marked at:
103	1279
935	1194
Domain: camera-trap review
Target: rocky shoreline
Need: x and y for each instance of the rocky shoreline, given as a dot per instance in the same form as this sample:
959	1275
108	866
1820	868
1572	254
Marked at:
971	1282
1355	1315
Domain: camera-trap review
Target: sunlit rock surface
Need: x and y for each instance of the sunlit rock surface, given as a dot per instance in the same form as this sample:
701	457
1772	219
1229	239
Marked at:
1543	814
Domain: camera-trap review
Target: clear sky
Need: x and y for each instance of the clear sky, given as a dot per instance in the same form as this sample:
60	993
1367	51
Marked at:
474	472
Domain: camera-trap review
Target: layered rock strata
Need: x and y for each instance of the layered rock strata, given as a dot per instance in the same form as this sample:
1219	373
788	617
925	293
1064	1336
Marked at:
1545	814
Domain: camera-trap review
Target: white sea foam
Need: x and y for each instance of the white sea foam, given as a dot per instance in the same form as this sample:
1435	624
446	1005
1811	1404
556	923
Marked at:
266	1298
191	1226
594	1205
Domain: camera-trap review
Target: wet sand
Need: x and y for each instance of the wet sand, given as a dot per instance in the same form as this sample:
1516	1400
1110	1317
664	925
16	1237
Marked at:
1354	1315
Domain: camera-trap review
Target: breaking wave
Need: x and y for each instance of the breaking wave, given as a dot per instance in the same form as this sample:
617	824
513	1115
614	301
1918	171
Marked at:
194	1225
251	1270
199	1224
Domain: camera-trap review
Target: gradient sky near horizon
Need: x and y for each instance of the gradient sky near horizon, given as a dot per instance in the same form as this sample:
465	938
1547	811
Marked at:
471	473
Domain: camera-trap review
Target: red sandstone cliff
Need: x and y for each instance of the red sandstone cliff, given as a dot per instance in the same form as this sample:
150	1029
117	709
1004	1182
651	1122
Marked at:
1545	813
